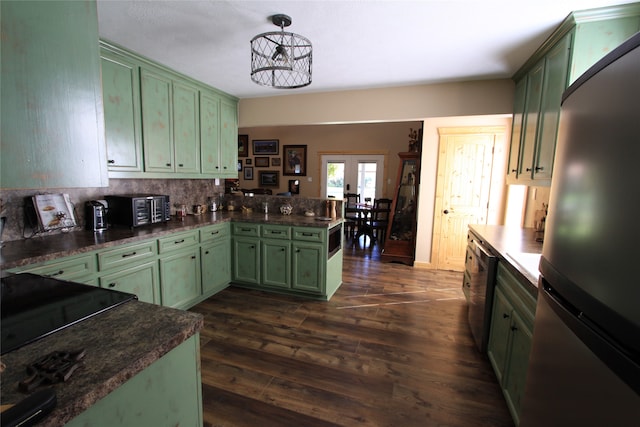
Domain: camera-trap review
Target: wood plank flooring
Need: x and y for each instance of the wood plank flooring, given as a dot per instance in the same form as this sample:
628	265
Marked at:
391	348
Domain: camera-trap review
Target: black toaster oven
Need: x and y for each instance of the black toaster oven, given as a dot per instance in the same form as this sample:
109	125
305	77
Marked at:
135	210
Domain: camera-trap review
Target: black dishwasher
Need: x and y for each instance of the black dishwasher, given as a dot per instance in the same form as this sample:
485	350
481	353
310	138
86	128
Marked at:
478	285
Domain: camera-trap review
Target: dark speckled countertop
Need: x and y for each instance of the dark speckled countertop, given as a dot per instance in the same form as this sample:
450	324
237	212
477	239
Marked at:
45	248
517	247
115	352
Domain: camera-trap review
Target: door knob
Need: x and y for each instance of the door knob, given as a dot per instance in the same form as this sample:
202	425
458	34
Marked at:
446	211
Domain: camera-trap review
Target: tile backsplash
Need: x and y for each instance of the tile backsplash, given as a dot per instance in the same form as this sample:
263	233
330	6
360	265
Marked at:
180	191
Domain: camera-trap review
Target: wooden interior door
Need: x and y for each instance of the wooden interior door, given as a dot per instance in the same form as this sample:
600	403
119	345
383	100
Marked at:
463	189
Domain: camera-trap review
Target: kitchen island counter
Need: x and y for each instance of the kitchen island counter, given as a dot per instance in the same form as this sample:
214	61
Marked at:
37	249
119	343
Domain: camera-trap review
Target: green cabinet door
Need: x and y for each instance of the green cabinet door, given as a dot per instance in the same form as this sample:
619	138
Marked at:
530	122
52	127
216	266
556	74
516	373
210	133
308	261
123	127
516	130
157	123
276	263
498	346
140	280
180	277
186	135
246	260
228	139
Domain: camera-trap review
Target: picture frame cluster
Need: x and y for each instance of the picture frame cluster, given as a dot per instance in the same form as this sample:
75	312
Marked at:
266	154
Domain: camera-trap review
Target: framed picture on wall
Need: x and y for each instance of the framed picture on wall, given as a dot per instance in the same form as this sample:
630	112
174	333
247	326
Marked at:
295	160
248	172
243	145
269	178
262	162
247	161
265	146
239	165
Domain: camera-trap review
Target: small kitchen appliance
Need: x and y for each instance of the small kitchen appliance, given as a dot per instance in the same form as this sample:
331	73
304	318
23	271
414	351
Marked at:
135	210
95	214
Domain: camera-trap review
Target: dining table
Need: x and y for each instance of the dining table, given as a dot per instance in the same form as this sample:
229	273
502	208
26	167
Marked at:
363	211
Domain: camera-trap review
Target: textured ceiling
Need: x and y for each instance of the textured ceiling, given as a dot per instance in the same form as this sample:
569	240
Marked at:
357	44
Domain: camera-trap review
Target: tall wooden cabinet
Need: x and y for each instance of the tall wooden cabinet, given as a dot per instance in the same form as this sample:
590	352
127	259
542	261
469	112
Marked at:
579	42
52	130
400	244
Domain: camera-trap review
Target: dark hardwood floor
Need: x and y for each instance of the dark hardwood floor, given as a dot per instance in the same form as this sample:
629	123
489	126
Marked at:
391	348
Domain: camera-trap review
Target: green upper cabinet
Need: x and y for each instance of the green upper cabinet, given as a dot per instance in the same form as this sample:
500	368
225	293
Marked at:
122	117
52	131
172	125
210	133
186	121
229	138
579	42
157	123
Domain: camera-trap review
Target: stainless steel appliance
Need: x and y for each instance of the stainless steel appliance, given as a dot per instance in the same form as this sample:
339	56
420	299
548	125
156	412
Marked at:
480	267
584	367
95	215
135	210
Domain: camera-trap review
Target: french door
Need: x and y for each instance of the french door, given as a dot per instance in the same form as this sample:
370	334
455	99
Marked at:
353	173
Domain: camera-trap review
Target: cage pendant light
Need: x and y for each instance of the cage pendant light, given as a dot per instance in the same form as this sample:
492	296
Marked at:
281	59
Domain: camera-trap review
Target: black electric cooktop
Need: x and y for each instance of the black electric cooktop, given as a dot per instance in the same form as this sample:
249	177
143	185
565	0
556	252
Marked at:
33	307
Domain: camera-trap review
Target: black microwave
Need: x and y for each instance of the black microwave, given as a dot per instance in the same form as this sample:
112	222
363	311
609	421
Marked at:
135	210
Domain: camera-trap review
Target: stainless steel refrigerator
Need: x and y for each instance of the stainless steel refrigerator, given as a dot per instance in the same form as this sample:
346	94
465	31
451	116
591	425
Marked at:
584	368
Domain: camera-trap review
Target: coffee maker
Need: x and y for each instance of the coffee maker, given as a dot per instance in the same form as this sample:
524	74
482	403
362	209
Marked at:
95	212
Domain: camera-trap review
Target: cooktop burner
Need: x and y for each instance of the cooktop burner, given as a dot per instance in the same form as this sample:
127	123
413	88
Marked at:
33	307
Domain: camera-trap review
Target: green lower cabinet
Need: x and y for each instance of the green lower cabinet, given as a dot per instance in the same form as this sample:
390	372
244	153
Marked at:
141	280
167	393
79	268
498	346
510	337
246	260
180	277
276	263
516	376
215	258
308	266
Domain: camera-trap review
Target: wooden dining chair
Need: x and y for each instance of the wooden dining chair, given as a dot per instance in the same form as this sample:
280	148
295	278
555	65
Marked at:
351	215
379	219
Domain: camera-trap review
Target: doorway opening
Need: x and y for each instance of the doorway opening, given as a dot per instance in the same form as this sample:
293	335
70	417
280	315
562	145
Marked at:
353	173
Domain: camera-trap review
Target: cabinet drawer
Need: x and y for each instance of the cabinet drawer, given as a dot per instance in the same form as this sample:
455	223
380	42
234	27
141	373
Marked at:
126	254
246	229
214	232
309	234
276	232
67	268
177	241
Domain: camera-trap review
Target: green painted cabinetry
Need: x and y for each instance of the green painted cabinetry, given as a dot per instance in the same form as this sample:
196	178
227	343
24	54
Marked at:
580	41
141	279
180	269
288	259
510	338
78	268
167	393
52	128
186	128
122	116
215	258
